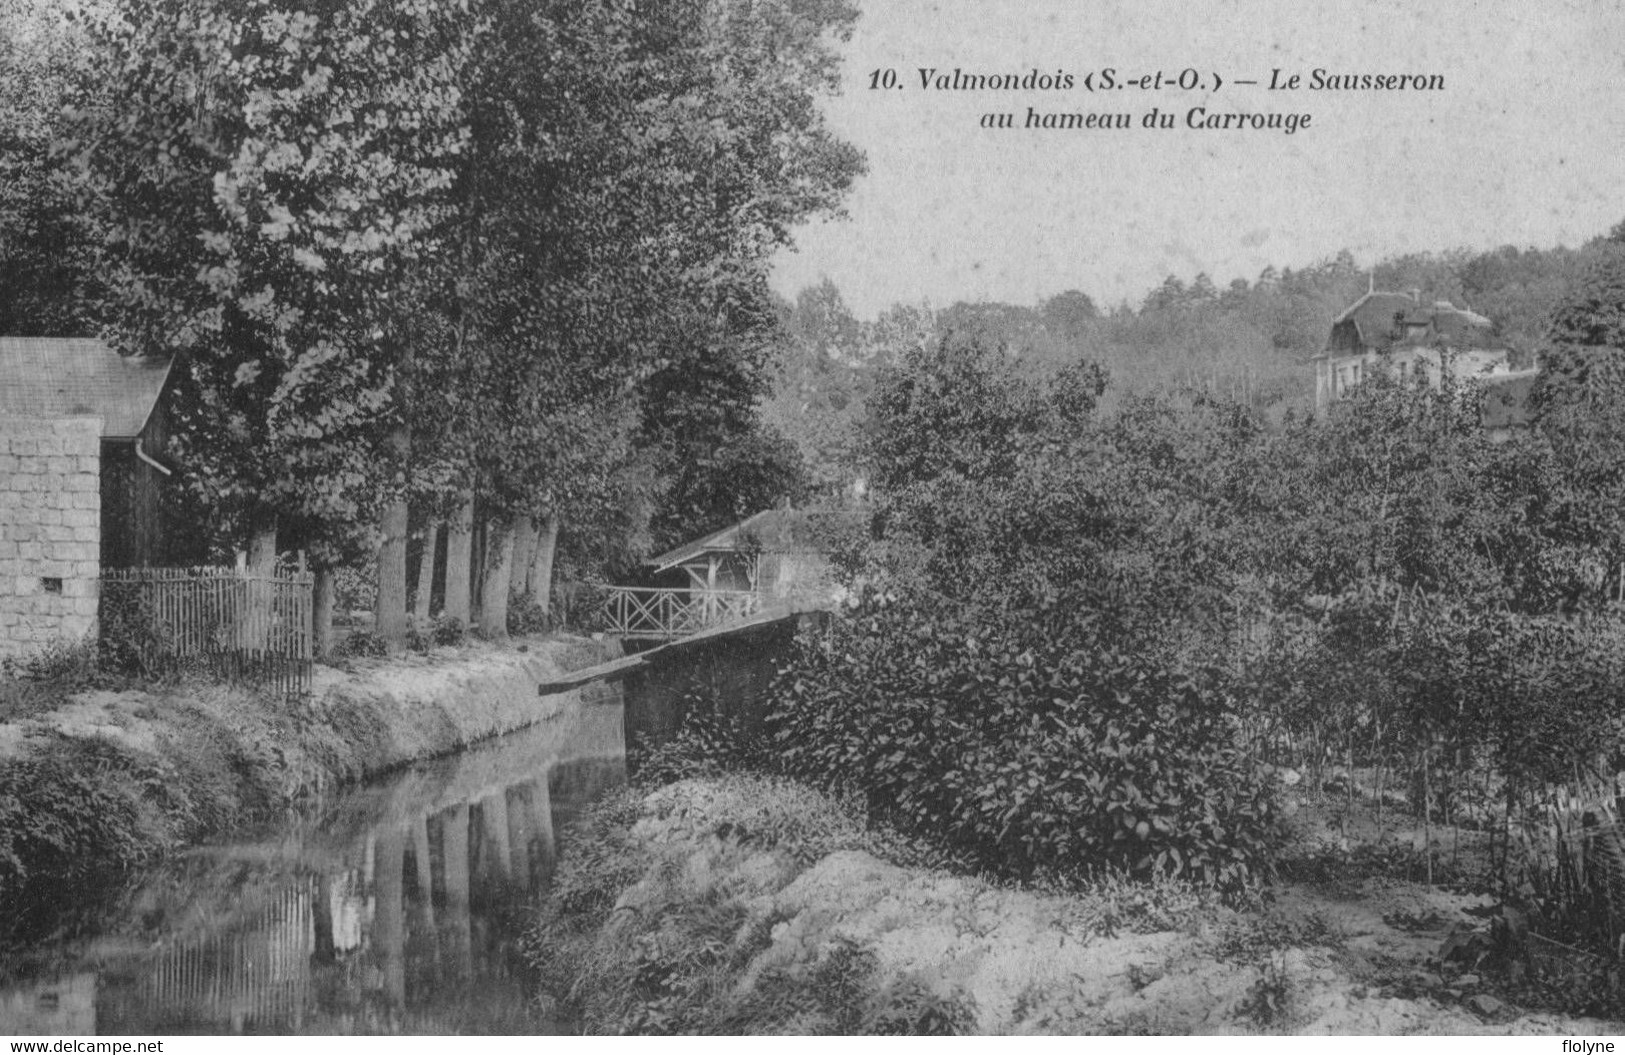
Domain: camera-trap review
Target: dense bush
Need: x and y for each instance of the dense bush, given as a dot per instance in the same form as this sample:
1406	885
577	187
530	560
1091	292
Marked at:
128	637
1034	751
448	631
525	616
64	824
1543	695
66	664
355	587
580	606
44	679
708	742
361	644
1026	676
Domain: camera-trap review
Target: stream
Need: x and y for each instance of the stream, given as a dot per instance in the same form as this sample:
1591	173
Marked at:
394	906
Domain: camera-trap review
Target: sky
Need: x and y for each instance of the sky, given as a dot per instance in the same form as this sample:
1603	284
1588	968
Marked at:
1525	145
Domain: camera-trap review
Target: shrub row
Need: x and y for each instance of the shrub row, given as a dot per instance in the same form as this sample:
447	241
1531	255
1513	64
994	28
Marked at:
1031	750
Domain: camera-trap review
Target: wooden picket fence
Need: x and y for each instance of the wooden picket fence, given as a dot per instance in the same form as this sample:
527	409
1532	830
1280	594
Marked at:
240	627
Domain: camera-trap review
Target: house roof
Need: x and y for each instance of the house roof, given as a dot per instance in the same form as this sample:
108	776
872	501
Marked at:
773	530
1374	313
74	377
1464	329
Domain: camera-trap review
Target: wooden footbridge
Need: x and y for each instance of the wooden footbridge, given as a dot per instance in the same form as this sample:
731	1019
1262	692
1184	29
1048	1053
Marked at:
688	623
667	615
776	621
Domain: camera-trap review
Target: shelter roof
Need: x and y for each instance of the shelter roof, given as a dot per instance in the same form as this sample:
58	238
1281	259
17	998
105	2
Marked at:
772	531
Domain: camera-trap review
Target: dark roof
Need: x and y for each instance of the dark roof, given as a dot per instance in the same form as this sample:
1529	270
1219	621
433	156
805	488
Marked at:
773	531
1464	329
74	377
1373	316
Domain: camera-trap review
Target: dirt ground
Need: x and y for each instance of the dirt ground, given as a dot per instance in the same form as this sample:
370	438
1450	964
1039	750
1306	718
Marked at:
1374	954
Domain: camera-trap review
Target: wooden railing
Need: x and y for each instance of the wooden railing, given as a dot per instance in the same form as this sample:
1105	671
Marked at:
238	626
648	612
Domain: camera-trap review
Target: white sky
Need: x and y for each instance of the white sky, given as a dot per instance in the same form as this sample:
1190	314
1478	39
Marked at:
1526	144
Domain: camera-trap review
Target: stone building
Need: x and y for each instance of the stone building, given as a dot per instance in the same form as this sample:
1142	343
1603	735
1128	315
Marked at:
82	432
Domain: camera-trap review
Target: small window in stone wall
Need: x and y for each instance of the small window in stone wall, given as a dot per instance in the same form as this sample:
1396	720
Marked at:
52	584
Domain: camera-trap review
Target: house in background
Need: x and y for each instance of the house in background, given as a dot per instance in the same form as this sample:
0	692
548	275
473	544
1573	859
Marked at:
83	432
781	554
1400	334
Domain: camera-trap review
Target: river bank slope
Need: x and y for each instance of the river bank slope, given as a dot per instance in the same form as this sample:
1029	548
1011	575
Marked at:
99	781
745	904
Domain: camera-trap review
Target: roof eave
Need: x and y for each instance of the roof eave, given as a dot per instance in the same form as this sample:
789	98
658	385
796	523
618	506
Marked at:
712	543
163	382
677	562
1352	308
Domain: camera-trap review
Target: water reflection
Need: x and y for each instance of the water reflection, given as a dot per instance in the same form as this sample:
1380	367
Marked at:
393	908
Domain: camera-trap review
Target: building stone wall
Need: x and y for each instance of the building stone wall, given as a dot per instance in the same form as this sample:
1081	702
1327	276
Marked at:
50	531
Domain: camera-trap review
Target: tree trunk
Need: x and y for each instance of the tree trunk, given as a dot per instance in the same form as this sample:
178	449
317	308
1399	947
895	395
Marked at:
459	546
1427	814
499	540
255	633
389	611
541	562
389	619
524	547
322	616
420	606
262	546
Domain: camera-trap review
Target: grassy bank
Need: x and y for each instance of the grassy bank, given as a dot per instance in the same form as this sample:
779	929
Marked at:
99	776
661	911
749	904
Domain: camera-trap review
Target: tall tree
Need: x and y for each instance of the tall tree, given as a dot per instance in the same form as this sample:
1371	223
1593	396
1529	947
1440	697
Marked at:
617	199
824	371
1070	315
1579	401
1592	311
703	432
955	407
268	173
47	278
